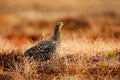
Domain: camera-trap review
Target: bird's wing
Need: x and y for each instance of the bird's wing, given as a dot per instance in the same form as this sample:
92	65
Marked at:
43	50
45	47
40	48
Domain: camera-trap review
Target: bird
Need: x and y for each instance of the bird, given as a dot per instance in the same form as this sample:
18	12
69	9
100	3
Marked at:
45	50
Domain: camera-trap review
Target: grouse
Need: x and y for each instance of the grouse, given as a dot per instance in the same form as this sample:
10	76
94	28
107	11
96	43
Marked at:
44	50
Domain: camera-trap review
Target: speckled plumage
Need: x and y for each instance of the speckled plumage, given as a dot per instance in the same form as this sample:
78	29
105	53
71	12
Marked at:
44	50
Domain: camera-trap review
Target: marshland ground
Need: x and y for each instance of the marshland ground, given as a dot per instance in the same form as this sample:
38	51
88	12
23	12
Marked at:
90	48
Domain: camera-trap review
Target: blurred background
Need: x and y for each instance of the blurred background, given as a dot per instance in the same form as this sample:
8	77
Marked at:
36	19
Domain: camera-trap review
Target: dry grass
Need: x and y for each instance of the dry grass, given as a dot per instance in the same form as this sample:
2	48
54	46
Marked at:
77	59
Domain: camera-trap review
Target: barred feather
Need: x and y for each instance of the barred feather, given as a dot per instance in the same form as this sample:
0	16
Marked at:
44	50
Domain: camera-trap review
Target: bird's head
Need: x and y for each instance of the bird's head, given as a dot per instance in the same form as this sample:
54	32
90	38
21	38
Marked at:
60	24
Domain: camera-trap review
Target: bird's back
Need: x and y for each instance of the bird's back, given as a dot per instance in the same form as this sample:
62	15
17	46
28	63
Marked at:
43	50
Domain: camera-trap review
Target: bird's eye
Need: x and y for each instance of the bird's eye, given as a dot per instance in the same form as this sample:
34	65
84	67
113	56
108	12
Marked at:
58	24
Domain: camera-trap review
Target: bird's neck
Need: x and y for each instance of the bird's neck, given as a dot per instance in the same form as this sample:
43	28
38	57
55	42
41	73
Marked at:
57	35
